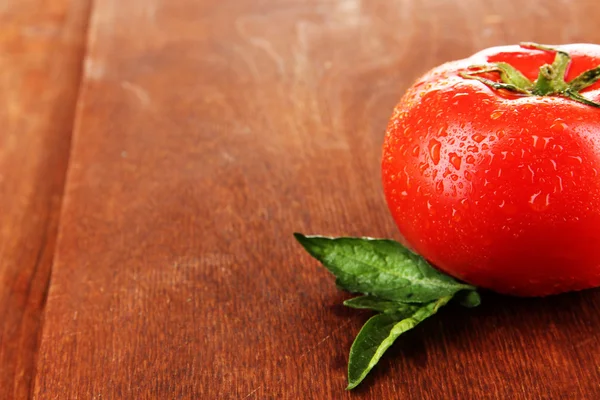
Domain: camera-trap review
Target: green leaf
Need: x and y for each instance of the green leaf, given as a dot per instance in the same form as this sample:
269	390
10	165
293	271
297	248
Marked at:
378	334
382	305
380	267
510	74
470	299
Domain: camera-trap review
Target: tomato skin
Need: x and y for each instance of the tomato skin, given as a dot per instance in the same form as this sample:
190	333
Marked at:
499	190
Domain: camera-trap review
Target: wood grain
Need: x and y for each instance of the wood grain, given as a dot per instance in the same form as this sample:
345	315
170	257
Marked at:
207	133
40	57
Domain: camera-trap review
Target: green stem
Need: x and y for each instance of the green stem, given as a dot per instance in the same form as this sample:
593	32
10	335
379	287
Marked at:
493	84
586	79
550	80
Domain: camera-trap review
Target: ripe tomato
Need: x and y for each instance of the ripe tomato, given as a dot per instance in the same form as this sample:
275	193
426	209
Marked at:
493	175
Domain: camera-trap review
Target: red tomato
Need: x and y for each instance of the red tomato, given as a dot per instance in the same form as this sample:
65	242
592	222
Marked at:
501	188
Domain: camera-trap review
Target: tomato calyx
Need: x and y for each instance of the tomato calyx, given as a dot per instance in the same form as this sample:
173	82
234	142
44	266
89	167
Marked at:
550	81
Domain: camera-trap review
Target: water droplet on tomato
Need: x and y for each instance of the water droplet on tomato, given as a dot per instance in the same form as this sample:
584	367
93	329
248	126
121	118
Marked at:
535	140
532	173
468	175
434	151
443	131
416	150
455	160
454	177
496	114
473	149
439	187
470	159
478	137
559	125
538	201
546	141
560	184
455	215
577	158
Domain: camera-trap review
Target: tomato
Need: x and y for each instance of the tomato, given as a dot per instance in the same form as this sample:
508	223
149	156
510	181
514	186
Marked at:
491	168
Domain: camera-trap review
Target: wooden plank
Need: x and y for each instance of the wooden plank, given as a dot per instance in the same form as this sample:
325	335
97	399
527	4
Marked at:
41	48
207	133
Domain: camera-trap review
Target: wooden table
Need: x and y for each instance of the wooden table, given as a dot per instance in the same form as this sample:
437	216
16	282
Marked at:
155	157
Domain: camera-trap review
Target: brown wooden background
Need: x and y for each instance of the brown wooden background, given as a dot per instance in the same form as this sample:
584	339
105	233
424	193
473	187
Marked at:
155	157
